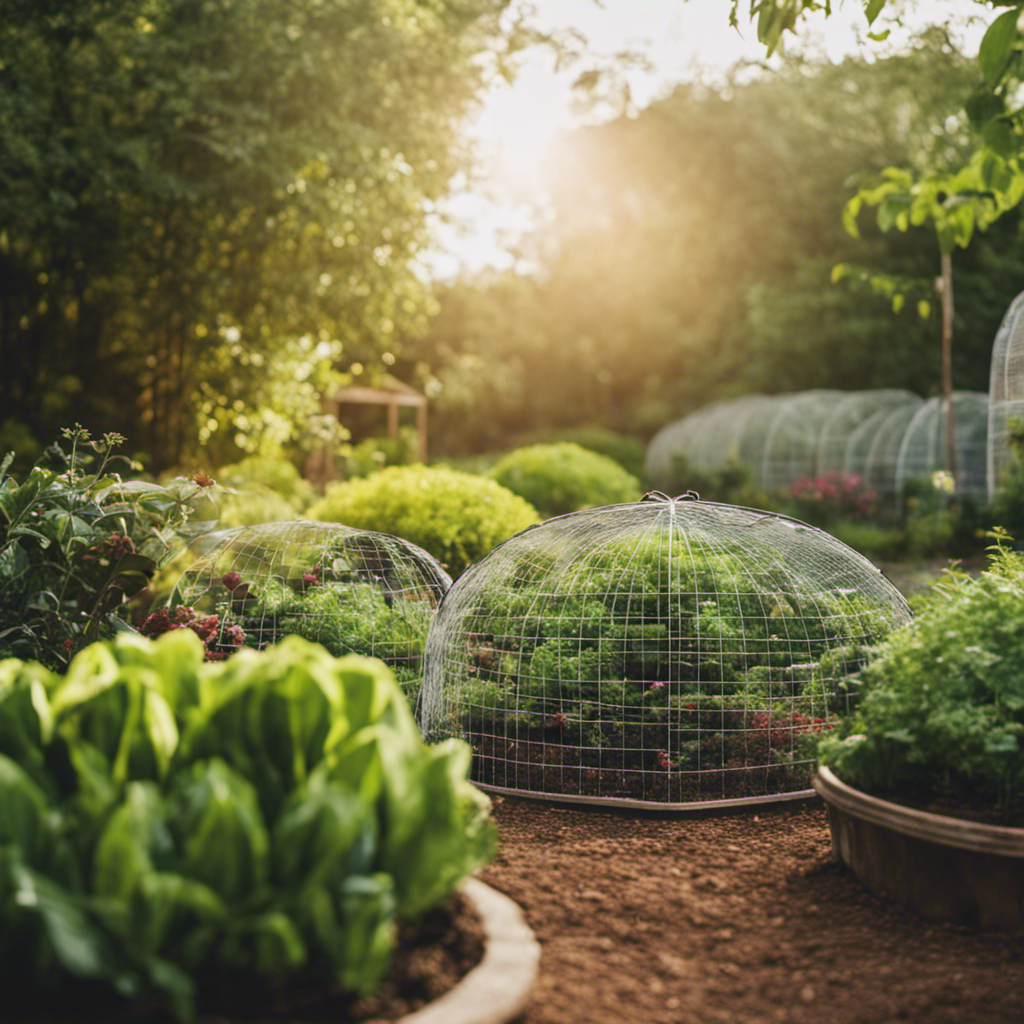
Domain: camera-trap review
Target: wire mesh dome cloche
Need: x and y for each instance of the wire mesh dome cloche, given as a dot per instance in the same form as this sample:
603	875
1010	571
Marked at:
353	591
670	651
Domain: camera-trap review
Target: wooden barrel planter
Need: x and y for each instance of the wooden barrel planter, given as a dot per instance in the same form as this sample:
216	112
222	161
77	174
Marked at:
945	868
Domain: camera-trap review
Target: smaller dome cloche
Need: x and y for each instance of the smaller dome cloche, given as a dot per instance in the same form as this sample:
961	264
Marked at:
669	651
352	591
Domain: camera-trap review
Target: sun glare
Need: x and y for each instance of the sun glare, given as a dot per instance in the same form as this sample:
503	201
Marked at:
682	40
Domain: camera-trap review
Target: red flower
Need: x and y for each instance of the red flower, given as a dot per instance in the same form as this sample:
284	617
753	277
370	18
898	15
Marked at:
218	640
203	480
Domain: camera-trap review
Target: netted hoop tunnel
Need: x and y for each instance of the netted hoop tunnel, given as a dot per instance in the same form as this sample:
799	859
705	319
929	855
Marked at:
353	591
886	437
669	652
1006	393
923	448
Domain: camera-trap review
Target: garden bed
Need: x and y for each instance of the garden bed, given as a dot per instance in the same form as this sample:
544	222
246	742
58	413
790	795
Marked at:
741	918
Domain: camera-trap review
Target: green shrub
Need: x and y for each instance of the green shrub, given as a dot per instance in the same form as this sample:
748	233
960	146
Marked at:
261	490
561	478
941	717
275	474
629	452
871	539
456	517
173	830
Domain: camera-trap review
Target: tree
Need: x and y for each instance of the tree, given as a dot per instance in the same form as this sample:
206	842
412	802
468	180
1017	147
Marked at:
688	251
206	204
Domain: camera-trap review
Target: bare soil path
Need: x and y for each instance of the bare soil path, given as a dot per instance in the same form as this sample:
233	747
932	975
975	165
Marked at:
742	918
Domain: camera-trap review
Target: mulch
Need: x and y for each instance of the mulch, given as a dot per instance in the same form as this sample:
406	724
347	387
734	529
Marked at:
736	917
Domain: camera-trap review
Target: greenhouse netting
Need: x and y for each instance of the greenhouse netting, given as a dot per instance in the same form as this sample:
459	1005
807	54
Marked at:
848	415
783	438
923	448
873	449
1006	392
791	443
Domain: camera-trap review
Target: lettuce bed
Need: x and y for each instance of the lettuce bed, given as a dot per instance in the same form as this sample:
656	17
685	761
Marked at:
170	828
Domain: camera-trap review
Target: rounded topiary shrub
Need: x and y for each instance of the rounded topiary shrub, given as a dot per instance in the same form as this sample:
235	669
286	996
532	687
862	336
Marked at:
565	477
628	451
665	651
457	517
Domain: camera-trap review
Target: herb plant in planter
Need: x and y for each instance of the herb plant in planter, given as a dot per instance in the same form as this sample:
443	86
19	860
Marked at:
925	782
178	835
353	591
663	651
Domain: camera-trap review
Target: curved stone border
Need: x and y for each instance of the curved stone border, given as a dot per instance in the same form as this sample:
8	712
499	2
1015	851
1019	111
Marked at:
498	988
945	868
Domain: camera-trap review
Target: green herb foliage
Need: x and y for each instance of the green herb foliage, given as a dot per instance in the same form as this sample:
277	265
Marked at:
717	665
76	544
168	824
942	714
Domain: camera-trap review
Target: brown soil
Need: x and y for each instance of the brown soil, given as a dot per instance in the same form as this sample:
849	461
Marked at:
741	917
432	955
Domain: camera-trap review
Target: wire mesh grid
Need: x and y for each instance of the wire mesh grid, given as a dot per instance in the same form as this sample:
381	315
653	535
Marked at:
668	651
846	417
923	447
1006	394
353	591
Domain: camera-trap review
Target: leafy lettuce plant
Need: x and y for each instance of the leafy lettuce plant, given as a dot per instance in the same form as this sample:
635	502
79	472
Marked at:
77	543
171	829
734	668
941	717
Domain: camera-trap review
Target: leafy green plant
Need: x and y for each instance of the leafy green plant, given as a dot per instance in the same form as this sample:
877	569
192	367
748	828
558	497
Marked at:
174	831
76	544
717	669
565	477
457	517
941	715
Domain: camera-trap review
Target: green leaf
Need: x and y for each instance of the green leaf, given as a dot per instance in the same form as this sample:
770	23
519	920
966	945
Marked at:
23	813
872	9
997	45
81	948
269	942
317	832
215	815
133	836
924	308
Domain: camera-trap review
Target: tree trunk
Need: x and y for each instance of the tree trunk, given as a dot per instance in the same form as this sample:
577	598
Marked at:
945	284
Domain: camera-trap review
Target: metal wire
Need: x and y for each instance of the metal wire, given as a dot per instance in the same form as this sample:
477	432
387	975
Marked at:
670	651
353	591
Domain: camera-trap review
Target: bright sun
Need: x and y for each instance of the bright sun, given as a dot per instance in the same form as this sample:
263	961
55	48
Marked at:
681	40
